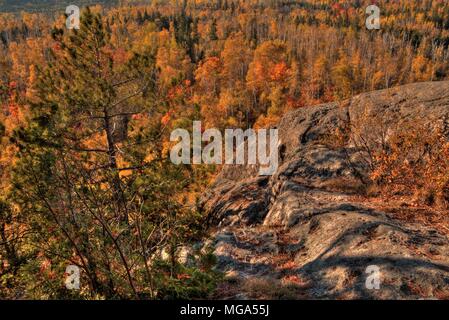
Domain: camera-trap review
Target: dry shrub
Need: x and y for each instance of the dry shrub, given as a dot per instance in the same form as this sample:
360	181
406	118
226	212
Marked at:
410	160
405	159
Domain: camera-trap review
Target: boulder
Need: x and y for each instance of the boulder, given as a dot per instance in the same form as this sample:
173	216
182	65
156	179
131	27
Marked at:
317	227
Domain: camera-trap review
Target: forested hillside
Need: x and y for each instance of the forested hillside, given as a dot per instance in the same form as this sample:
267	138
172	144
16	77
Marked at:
86	116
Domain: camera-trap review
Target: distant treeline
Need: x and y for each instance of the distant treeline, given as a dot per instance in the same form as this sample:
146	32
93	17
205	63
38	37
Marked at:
15	6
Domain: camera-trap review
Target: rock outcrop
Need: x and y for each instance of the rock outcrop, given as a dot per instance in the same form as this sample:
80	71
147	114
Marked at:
303	226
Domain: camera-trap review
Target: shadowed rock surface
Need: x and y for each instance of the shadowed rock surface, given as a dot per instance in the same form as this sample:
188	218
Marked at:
295	227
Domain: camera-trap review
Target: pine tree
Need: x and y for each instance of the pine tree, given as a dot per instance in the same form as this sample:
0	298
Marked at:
92	178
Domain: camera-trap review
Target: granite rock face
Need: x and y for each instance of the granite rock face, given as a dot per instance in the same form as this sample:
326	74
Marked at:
296	225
